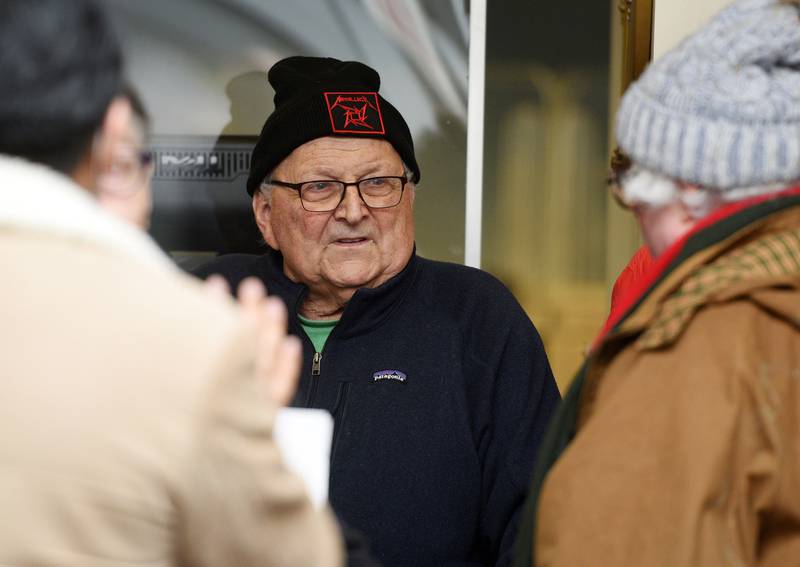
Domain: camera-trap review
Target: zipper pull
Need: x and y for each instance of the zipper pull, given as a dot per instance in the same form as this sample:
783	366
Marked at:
315	364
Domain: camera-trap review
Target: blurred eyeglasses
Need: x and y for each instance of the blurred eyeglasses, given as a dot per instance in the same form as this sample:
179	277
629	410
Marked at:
130	169
326	195
620	164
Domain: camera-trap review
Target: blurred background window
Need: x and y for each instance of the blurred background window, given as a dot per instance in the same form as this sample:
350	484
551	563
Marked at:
200	66
554	72
553	76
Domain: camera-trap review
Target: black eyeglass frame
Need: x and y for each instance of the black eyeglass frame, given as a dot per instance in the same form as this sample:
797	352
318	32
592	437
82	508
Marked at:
298	187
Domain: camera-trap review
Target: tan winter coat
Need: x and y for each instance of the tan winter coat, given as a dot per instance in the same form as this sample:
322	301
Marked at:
132	428
687	450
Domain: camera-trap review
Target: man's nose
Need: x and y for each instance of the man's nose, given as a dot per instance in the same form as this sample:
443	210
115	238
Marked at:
352	208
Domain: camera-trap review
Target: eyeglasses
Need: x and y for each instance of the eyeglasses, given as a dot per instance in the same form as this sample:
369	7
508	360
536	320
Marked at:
620	164
127	172
327	194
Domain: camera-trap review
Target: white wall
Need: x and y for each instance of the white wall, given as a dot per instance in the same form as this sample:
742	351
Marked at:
675	19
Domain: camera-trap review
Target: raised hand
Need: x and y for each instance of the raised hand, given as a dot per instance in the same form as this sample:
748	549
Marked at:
278	356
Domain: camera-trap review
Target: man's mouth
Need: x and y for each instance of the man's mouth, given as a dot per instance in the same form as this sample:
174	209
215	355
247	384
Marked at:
351	241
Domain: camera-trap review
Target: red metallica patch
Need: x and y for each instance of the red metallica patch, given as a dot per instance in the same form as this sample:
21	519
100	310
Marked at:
355	113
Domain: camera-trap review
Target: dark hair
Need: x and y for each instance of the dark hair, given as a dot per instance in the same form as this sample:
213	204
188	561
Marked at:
60	67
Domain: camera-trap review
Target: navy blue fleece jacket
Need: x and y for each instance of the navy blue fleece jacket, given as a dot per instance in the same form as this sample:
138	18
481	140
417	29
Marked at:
441	391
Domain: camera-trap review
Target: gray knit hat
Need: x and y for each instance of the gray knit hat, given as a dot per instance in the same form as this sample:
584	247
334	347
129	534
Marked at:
722	109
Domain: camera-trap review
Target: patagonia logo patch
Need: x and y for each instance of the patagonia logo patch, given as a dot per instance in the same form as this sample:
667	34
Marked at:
389	375
355	113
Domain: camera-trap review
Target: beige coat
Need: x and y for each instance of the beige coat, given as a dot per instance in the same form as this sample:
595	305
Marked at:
132	427
688	443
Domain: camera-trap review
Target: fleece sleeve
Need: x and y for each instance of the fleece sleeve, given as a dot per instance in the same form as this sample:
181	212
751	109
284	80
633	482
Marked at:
524	397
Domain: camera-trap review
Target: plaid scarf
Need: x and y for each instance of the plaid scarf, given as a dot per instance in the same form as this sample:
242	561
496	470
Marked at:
765	259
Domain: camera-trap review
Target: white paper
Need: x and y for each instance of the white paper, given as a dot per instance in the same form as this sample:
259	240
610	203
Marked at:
304	437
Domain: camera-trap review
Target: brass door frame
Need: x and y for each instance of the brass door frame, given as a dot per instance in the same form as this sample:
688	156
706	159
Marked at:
637	32
631	51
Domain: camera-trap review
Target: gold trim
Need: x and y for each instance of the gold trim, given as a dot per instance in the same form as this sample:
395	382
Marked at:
637	31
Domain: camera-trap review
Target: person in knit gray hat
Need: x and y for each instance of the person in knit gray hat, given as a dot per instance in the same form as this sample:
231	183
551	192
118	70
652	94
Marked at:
679	440
716	120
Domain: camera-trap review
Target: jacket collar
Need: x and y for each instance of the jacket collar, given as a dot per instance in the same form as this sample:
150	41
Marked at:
38	199
768	258
366	310
753	223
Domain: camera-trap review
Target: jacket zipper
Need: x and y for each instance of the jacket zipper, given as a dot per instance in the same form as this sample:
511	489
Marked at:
316	368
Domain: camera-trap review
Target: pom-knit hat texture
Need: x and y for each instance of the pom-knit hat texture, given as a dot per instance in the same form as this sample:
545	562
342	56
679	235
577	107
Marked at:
722	109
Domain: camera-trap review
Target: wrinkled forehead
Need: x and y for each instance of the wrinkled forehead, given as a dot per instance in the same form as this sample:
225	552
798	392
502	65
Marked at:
340	157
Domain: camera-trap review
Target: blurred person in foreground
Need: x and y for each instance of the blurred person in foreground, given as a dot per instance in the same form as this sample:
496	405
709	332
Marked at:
135	419
125	189
437	379
679	441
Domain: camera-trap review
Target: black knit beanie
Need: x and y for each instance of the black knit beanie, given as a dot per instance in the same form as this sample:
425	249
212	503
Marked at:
317	97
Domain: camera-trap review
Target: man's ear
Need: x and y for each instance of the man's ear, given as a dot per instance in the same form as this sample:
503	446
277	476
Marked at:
262	210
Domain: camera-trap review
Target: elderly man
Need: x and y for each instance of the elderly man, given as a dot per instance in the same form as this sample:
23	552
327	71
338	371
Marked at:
437	380
133	428
679	442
